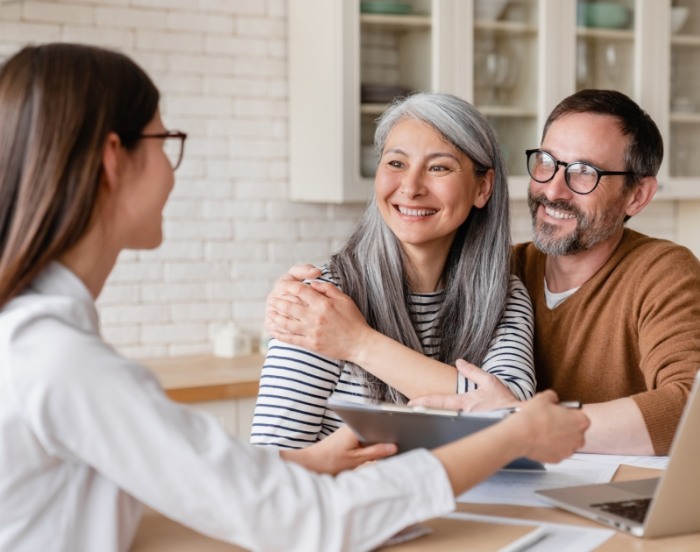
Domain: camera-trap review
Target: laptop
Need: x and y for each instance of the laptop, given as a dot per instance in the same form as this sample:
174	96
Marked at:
417	427
667	505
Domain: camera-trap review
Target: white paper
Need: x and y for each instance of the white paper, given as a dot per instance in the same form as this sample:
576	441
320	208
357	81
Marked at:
657	462
559	537
519	486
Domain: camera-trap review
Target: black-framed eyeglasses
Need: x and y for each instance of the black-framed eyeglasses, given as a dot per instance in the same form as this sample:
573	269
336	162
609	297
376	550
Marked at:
174	149
581	177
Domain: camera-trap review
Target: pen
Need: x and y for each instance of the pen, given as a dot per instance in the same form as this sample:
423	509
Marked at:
566	404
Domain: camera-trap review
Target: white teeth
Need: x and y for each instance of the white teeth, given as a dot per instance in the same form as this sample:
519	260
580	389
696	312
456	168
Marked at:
558	214
416	212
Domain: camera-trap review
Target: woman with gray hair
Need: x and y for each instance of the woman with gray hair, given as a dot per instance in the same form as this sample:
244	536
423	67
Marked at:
425	280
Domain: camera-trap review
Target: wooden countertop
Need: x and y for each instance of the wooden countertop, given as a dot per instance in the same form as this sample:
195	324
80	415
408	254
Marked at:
207	378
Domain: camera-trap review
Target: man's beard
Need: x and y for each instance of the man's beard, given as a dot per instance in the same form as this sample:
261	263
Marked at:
590	229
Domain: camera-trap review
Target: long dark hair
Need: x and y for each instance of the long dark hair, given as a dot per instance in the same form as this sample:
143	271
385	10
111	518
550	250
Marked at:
58	103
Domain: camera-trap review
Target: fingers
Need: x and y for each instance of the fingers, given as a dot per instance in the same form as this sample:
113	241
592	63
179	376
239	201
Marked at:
302	272
440	402
375	452
285	307
327	289
548	395
555	432
306	293
473	373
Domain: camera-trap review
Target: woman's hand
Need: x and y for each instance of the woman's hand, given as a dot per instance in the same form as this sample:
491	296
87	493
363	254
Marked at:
491	393
338	452
316	316
551	432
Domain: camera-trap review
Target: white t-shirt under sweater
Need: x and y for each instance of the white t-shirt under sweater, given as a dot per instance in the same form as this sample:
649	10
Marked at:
295	384
87	437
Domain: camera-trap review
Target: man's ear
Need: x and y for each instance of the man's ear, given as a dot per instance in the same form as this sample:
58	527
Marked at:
111	156
484	189
642	193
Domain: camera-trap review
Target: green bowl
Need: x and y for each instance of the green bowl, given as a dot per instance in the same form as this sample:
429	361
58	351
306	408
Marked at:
607	15
385	7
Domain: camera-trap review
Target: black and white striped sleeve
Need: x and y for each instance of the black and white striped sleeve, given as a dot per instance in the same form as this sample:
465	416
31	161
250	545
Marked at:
510	355
295	384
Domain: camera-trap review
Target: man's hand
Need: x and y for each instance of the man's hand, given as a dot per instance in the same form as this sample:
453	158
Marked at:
318	316
286	285
338	452
491	393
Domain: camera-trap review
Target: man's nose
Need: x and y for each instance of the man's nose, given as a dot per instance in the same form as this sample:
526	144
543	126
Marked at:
556	189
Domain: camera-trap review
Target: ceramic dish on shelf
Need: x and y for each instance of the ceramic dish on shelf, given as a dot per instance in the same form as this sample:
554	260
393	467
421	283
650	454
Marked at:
385	7
489	10
679	15
606	15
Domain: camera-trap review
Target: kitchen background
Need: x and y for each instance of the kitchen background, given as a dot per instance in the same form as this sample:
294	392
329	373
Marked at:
230	230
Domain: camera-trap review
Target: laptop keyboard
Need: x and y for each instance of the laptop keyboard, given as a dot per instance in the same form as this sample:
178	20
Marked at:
636	510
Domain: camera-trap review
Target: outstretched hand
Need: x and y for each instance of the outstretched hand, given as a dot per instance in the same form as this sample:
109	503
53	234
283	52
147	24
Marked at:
552	431
491	393
316	316
338	452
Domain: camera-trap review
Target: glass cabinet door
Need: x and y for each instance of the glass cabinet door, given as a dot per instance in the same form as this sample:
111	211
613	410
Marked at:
605	45
506	74
684	146
395	60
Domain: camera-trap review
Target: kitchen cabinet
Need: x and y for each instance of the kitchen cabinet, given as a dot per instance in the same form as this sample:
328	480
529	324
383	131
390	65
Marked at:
514	61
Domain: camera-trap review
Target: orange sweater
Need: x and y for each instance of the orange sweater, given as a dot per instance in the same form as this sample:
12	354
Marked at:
633	329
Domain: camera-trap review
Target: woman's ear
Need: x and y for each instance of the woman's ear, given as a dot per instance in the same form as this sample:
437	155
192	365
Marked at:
111	159
484	188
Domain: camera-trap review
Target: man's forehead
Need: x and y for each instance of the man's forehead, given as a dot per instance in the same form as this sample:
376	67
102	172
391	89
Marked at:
586	137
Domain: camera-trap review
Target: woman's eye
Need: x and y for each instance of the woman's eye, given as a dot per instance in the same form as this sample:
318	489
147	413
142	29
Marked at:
395	164
438	168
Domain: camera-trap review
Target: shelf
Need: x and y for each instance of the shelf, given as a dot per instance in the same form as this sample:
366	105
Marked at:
679	188
685	118
506	111
396	22
373	108
607	34
685	40
510	27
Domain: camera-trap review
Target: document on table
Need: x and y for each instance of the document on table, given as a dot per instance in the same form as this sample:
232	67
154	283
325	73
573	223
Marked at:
550	536
657	462
519	486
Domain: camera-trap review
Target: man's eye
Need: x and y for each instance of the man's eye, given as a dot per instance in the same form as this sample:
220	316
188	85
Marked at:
581	169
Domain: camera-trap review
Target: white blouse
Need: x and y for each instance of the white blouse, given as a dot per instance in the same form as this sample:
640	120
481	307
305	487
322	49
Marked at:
87	437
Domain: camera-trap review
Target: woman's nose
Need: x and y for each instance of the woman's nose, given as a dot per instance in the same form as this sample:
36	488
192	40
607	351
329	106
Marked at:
412	183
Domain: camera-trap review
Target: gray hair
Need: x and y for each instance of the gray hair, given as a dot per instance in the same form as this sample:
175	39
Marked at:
373	270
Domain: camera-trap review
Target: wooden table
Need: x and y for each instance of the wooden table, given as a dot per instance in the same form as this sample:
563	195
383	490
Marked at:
194	379
159	534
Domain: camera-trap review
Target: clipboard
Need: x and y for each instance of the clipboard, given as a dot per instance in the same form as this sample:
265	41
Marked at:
417	427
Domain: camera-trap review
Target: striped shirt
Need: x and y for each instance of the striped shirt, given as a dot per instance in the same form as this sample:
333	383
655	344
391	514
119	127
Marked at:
295	384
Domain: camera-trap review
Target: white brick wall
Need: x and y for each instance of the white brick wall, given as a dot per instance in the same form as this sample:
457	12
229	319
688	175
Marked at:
221	67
